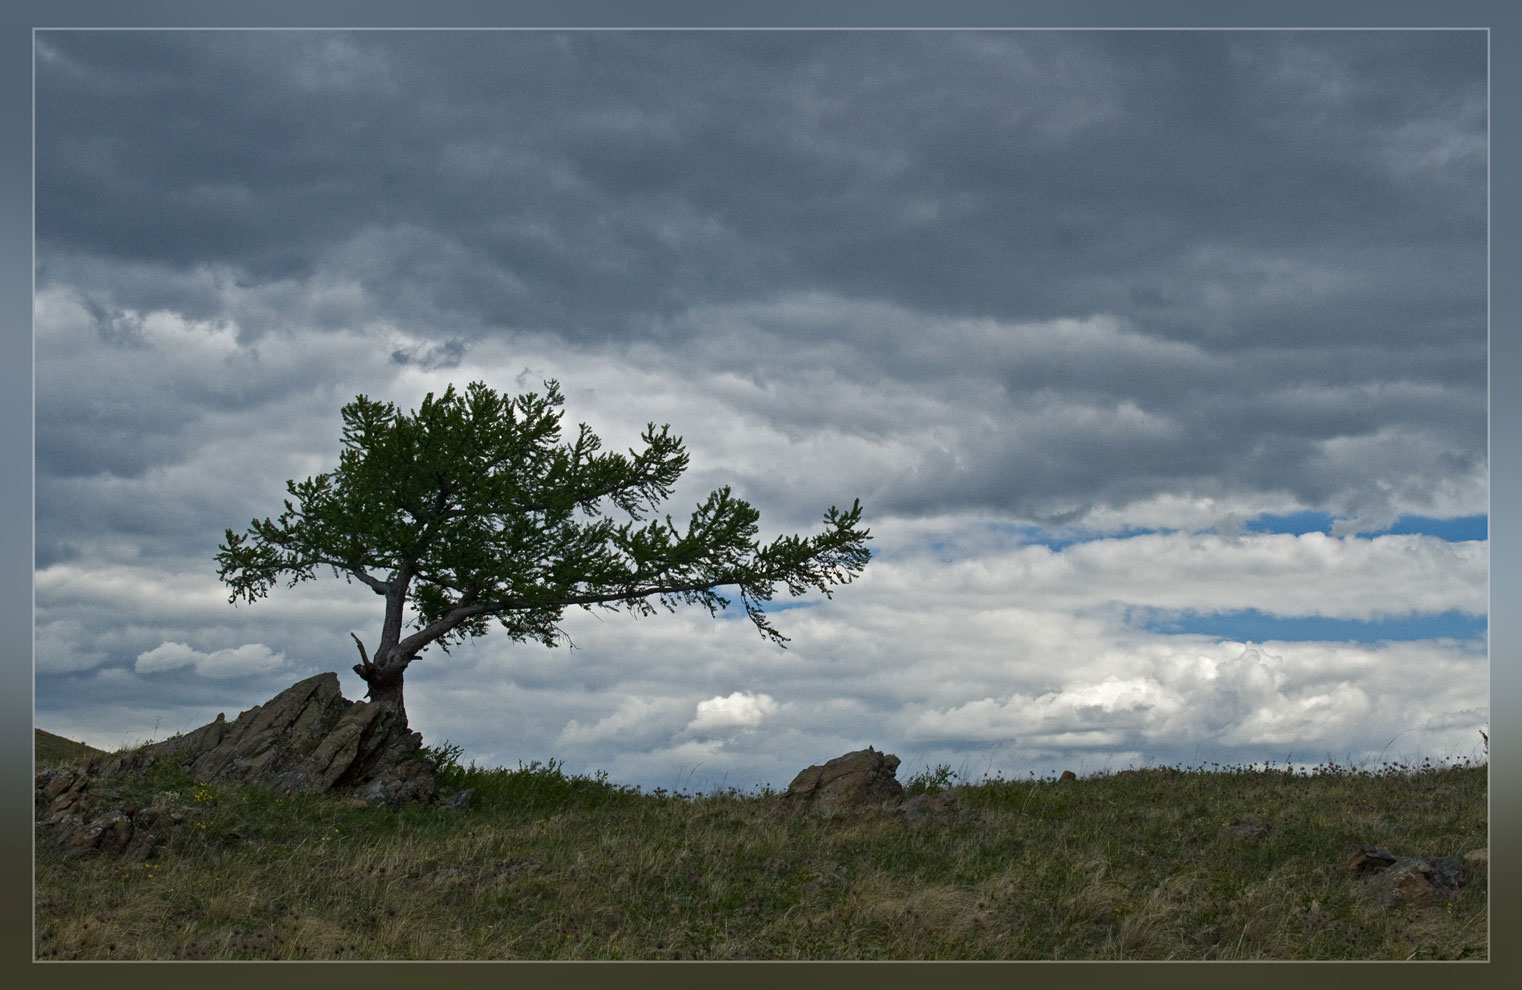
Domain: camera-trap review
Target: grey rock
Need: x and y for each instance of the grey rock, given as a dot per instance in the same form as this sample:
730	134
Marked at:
861	778
459	800
309	739
1393	880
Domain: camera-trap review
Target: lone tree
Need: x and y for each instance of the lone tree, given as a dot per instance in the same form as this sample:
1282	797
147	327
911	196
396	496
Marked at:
471	509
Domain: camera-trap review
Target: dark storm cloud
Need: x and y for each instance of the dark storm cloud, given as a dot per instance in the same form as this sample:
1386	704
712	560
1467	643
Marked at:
1289	228
597	179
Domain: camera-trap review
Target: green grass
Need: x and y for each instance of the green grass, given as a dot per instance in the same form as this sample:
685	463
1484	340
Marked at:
56	749
1135	865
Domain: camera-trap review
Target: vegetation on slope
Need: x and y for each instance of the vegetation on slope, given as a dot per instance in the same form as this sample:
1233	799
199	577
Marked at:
1162	863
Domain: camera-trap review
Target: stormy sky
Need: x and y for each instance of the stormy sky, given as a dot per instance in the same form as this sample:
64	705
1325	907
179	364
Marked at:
1158	360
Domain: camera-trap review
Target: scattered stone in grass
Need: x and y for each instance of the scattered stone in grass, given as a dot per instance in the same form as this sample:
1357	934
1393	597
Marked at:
927	807
459	800
1250	828
1067	776
1394	881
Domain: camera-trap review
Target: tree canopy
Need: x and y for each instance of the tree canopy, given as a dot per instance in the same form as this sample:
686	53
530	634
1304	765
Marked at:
472	509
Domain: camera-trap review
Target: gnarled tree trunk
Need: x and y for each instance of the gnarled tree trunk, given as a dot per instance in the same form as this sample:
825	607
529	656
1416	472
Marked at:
383	675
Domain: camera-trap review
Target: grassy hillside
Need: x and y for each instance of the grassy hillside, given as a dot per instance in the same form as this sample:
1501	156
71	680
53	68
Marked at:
1226	863
56	749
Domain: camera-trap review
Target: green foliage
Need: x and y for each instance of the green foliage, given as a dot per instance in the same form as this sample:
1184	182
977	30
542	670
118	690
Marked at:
930	781
473	509
445	757
531	788
536	787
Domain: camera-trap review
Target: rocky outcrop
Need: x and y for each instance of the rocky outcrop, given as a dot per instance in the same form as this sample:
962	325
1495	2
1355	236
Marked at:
863	778
308	739
79	811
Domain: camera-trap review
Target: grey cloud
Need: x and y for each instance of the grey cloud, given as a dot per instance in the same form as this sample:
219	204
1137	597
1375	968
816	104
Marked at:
1298	208
625	176
432	357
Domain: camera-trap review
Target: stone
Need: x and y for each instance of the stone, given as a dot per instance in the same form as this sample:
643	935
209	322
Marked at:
857	779
926	808
459	800
1068	776
1395	881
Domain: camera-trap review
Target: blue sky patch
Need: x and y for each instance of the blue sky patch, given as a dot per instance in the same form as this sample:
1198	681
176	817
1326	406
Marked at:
1454	530
1296	523
1255	626
1063	537
1299	523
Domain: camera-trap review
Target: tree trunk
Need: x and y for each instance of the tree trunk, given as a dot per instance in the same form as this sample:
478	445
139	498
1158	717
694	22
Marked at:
385	686
383	676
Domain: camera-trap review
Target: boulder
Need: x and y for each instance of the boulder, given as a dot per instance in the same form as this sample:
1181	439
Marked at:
858	779
1397	881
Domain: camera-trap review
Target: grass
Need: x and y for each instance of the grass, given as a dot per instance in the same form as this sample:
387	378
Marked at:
1143	864
52	749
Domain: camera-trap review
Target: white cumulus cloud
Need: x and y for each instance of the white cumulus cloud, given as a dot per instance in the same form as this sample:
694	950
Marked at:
741	710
